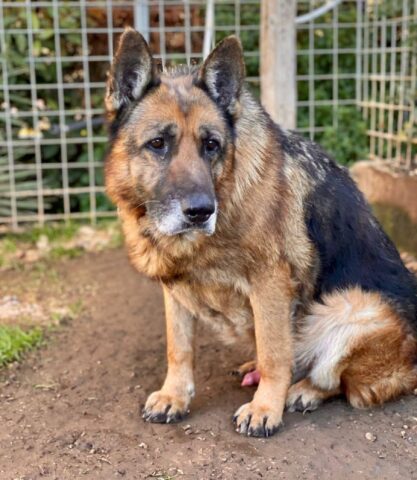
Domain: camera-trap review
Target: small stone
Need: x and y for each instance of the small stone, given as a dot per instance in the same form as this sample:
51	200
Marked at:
143	445
370	437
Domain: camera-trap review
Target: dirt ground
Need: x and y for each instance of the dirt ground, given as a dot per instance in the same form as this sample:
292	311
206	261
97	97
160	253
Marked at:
71	409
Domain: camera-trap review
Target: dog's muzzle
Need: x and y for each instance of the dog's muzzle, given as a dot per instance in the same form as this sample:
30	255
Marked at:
192	213
198	208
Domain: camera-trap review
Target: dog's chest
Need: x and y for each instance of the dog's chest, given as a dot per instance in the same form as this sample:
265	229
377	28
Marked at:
223	304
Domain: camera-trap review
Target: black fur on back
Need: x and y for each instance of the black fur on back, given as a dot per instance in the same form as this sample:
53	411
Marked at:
353	248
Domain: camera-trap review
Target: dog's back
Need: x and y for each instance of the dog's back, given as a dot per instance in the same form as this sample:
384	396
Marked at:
353	250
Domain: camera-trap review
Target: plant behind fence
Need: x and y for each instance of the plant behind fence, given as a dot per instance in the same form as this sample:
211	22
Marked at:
54	58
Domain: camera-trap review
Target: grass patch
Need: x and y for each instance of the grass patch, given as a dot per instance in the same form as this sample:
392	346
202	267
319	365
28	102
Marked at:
53	232
61	252
14	342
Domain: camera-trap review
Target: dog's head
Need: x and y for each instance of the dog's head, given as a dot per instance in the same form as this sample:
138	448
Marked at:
172	137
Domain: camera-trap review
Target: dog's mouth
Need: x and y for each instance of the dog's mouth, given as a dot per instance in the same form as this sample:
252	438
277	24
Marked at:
207	228
188	229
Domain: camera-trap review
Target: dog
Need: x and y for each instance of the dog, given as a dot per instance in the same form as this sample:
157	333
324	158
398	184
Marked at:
257	232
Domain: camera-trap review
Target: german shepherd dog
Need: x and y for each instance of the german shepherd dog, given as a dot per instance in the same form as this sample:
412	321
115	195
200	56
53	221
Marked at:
258	232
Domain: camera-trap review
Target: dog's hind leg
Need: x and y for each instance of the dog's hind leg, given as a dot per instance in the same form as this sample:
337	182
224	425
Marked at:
382	367
304	396
354	343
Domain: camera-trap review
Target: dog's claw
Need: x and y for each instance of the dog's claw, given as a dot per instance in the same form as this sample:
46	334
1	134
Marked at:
164	408
302	399
255	421
163	417
298	405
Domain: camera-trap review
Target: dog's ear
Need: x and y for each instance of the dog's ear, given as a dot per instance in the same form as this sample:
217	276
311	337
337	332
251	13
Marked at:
131	71
223	73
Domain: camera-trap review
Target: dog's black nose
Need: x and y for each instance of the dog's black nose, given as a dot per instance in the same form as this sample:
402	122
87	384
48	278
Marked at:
198	208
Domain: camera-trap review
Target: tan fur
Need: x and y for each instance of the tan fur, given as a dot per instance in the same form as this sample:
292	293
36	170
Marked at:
381	366
213	278
331	331
356	343
245	368
178	389
271	302
253	279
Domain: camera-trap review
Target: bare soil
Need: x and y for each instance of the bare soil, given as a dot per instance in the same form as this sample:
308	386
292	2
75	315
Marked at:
71	409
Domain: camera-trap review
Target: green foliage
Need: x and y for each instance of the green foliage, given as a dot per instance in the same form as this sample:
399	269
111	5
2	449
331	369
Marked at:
250	18
14	342
328	90
24	180
348	142
44	50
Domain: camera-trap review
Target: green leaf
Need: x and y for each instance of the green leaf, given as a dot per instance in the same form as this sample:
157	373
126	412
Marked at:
21	43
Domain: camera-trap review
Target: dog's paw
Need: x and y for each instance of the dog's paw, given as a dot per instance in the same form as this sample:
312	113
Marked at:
162	407
257	420
302	398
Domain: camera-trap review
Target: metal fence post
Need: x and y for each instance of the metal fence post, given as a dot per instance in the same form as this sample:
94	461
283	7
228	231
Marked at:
278	60
141	18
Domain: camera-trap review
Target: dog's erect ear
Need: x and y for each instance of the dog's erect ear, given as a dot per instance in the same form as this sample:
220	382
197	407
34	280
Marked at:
131	71
224	72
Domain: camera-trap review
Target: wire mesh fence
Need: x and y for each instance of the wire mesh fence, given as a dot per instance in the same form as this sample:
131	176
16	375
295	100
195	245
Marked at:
55	55
389	81
328	53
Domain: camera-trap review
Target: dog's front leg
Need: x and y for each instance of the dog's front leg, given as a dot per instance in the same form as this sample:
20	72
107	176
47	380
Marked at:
170	404
270	298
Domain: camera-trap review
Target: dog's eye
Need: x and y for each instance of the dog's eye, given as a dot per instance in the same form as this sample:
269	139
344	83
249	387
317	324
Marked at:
211	145
157	143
